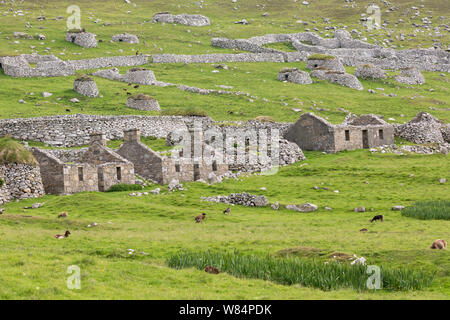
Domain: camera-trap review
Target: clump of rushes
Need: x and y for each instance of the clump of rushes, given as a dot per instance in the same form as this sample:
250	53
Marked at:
321	56
429	210
306	272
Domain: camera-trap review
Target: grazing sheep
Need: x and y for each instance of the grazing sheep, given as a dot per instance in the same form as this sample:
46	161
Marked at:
378	217
439	244
212	270
63	215
200	218
227	210
62	236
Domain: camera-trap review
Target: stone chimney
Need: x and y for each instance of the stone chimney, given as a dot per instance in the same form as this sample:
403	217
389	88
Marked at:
99	138
132	135
196	134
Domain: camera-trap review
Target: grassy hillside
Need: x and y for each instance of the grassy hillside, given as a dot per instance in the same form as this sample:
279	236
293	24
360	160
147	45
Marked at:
158	226
270	97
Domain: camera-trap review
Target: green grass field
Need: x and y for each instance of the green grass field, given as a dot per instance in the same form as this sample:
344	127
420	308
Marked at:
158	227
162	225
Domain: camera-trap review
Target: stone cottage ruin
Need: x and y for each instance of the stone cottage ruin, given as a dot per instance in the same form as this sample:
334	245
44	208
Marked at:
163	169
312	132
82	38
96	168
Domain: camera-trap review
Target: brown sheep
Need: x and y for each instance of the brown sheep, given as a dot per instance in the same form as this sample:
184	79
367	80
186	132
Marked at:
439	244
200	218
62	236
212	270
63	215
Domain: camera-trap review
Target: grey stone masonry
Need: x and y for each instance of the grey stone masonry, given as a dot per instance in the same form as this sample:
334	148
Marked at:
195	20
369	71
294	75
51	66
84	39
312	132
74	130
410	76
86	87
96	168
135	75
341	78
243	199
350	51
331	63
163	169
218	57
143	102
125	37
46	66
423	128
21	181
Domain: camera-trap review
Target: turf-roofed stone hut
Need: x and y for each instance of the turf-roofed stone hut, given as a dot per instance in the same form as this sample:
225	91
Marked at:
312	132
125	37
82	38
96	168
294	75
369	71
410	75
85	86
338	77
143	102
20	177
324	62
140	76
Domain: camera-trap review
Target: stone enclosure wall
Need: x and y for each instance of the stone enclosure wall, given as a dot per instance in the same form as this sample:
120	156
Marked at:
21	181
51	66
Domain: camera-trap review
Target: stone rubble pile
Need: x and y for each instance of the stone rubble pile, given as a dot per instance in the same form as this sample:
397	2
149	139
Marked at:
410	76
243	199
195	20
423	128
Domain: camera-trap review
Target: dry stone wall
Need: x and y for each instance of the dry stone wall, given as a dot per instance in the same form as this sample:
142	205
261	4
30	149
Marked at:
74	130
51	66
21	181
219	57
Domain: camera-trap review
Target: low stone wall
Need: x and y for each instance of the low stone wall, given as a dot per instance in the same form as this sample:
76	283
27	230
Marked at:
51	66
21	181
106	62
218	57
194	20
74	130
